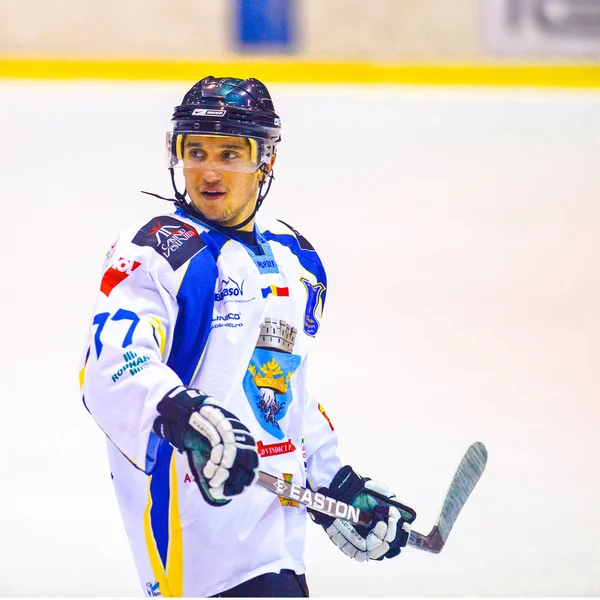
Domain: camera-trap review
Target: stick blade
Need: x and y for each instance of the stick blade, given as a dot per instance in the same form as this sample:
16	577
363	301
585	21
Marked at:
465	479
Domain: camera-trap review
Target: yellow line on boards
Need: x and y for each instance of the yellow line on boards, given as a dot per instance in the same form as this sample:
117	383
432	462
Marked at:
296	71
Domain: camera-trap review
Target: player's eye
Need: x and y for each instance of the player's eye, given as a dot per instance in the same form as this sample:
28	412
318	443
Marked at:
195	154
230	155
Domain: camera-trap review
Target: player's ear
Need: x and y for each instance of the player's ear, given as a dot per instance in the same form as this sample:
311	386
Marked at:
269	166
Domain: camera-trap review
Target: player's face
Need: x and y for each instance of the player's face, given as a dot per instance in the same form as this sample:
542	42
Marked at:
222	195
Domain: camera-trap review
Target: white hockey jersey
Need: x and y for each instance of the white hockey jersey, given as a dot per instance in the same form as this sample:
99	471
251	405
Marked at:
182	303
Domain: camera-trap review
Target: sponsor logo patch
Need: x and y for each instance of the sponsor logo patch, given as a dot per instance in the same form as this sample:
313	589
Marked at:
274	449
153	589
304	454
317	501
133	364
118	270
176	241
266	263
109	253
228	320
229	288
208	112
286	501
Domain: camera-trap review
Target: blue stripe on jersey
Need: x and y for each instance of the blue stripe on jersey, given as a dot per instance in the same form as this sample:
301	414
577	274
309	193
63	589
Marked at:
160	494
196	297
151	452
309	259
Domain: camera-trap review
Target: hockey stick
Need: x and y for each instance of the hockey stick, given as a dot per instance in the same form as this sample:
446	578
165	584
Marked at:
465	479
467	475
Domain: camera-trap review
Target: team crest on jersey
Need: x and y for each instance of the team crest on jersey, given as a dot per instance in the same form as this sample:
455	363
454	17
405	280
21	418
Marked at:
315	293
176	241
267	379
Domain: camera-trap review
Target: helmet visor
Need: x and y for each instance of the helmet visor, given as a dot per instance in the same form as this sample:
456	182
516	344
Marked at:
216	152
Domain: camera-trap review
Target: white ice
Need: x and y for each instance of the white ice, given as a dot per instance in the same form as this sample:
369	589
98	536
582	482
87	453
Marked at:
459	228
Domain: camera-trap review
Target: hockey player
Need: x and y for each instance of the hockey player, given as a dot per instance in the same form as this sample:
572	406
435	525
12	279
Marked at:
197	364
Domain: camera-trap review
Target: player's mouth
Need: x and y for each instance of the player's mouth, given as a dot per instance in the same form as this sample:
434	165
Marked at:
212	195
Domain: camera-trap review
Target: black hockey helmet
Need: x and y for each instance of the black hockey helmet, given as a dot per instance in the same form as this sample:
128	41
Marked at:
228	106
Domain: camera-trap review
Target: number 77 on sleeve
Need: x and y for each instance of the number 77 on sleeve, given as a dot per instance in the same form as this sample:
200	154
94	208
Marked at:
121	315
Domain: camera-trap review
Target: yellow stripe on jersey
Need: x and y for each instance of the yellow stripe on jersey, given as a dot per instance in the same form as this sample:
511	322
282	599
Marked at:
82	372
170	580
153	555
175	560
159	334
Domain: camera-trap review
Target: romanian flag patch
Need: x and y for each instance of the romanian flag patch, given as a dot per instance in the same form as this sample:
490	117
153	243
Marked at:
276	291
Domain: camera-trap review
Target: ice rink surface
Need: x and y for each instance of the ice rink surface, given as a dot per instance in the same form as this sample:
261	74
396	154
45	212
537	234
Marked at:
460	233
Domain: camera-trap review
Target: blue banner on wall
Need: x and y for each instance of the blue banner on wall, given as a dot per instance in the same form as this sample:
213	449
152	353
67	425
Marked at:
266	23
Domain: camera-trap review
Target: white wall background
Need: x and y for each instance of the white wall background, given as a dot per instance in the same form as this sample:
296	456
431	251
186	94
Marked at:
459	228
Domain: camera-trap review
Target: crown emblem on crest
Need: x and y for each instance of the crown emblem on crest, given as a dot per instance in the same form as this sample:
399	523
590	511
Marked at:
277	335
271	376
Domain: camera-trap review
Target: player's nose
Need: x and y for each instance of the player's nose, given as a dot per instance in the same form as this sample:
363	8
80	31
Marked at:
211	176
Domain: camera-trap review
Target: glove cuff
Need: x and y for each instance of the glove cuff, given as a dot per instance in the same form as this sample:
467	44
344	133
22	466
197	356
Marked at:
346	484
166	431
175	410
179	404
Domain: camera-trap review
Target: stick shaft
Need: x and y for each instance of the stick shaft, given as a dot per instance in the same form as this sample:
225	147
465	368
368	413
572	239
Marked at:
315	500
324	504
467	475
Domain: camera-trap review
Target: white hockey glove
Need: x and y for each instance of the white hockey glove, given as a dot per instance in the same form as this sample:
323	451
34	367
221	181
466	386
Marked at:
221	452
389	529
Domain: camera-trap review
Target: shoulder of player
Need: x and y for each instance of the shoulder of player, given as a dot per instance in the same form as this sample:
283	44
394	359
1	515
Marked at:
164	241
278	230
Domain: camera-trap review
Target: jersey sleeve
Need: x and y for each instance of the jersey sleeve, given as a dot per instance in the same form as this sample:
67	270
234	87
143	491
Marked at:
124	375
320	442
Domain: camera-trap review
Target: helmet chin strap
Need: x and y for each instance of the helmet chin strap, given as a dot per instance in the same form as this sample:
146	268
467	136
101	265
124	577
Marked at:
259	199
181	201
